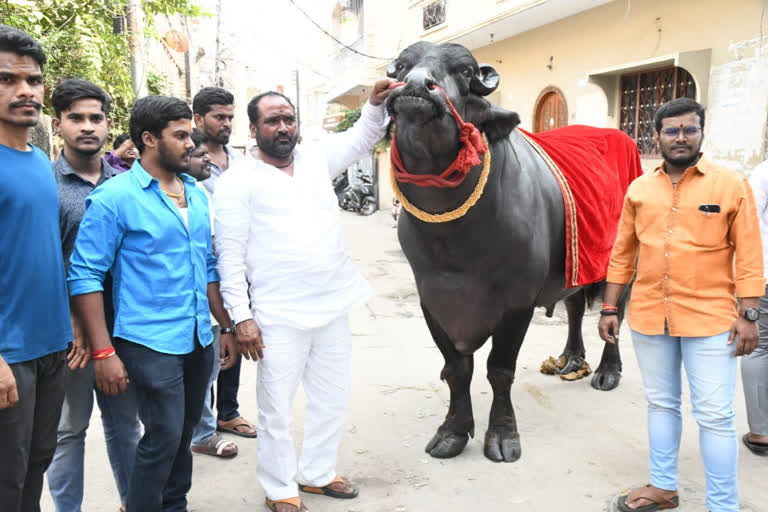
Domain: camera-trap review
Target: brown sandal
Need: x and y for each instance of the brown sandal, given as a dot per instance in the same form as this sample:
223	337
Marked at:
235	426
216	446
328	490
293	502
649	493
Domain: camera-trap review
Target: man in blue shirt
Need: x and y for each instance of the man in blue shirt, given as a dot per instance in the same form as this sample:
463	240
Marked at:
151	228
34	313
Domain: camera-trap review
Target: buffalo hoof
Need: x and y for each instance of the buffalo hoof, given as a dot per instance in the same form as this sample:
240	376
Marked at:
606	380
572	364
446	445
502	445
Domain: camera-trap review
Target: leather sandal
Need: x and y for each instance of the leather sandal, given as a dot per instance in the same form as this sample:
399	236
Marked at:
649	493
238	426
216	446
294	502
328	490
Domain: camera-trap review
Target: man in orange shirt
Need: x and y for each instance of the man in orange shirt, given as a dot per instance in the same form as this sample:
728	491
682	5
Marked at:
688	231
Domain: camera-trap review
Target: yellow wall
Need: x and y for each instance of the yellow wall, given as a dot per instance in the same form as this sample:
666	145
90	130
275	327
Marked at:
602	38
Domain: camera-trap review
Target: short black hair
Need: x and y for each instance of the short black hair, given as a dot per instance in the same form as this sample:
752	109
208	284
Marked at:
676	108
152	114
199	137
253	105
120	139
15	41
209	96
72	89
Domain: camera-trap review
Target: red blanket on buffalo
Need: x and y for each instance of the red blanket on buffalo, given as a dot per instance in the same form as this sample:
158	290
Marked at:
594	167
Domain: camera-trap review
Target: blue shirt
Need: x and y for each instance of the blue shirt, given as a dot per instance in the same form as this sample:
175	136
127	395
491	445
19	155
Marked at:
160	267
34	309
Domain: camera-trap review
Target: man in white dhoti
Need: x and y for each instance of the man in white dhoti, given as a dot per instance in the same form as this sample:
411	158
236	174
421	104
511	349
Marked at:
288	280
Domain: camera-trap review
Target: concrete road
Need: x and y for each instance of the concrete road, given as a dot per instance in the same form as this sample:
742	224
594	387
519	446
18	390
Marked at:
580	446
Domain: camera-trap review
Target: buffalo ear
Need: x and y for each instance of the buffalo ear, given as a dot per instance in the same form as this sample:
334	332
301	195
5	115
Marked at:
497	123
392	70
485	81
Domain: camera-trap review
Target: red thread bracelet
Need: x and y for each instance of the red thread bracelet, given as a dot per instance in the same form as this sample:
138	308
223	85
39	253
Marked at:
103	353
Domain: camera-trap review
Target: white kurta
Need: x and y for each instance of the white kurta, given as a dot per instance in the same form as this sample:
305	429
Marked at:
282	234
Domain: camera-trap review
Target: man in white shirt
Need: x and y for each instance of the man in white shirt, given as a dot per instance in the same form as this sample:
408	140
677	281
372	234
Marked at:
754	367
289	281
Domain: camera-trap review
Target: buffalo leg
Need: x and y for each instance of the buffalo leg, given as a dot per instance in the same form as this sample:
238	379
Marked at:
574	351
502	441
608	374
452	436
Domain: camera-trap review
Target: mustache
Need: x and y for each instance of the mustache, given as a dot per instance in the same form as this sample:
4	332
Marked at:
26	103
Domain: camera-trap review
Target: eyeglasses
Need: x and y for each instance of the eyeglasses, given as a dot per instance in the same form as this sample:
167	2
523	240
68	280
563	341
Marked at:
689	131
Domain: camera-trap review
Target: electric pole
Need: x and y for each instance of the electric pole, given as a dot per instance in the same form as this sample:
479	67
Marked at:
135	18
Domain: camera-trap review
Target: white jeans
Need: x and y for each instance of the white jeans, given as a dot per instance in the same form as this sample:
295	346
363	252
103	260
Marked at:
319	359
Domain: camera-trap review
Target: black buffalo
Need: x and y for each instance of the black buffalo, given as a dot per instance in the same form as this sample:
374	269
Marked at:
481	276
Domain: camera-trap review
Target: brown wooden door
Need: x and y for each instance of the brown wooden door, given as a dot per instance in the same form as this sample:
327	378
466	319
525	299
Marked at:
550	113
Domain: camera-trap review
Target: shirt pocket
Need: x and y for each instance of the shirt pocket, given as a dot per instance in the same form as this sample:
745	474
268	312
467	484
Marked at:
706	229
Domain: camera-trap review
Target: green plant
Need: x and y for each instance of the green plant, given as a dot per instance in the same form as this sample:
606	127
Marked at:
349	119
77	38
157	83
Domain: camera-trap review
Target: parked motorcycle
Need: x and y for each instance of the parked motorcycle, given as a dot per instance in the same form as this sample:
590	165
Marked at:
356	198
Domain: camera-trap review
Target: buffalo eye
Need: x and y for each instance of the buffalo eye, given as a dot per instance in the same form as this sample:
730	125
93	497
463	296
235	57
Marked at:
467	72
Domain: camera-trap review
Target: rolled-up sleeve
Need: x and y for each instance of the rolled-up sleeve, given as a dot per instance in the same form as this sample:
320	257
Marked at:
343	149
621	267
98	238
744	229
231	220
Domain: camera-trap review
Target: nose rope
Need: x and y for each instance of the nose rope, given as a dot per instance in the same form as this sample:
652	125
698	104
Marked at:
472	146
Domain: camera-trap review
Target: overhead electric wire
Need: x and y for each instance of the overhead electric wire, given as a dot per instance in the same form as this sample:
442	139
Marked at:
334	38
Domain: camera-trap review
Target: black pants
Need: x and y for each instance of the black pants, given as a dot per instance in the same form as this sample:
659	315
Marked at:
28	431
170	391
227	387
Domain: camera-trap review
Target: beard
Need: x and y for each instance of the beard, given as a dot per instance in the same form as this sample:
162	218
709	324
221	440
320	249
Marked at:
681	161
275	147
173	162
27	121
219	138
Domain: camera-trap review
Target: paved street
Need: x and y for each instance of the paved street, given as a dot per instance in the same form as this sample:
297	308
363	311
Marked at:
580	446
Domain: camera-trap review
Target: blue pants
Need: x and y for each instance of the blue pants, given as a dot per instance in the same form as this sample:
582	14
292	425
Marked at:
122	430
711	369
170	390
226	392
206	429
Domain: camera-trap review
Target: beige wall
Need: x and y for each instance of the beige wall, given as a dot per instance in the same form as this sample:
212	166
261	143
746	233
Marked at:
602	38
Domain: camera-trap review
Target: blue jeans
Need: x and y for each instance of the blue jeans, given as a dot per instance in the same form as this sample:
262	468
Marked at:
170	390
122	430
711	369
206	429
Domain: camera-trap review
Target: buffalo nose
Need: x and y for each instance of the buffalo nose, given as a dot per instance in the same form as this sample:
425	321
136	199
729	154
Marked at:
418	78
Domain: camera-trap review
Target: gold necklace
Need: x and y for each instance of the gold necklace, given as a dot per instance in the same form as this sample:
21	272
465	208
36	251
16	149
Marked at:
175	196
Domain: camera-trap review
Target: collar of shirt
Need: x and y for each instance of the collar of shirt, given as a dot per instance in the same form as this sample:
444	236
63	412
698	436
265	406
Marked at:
63	167
701	166
145	179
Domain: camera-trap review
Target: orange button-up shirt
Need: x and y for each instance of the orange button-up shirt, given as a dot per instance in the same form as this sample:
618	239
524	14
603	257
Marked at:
683	249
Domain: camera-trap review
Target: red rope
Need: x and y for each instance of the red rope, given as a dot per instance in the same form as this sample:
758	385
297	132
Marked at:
472	144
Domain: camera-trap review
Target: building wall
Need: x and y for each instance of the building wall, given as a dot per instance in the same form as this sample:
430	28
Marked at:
602	38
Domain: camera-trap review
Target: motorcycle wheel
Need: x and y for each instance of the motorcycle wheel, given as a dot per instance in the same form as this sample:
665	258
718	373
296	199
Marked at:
368	207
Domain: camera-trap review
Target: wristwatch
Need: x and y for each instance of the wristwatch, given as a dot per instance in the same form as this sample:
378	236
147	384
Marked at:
752	314
229	330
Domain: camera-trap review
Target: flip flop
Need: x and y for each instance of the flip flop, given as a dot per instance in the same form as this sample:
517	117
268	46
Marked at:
327	490
233	427
216	446
651	494
294	502
760	449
